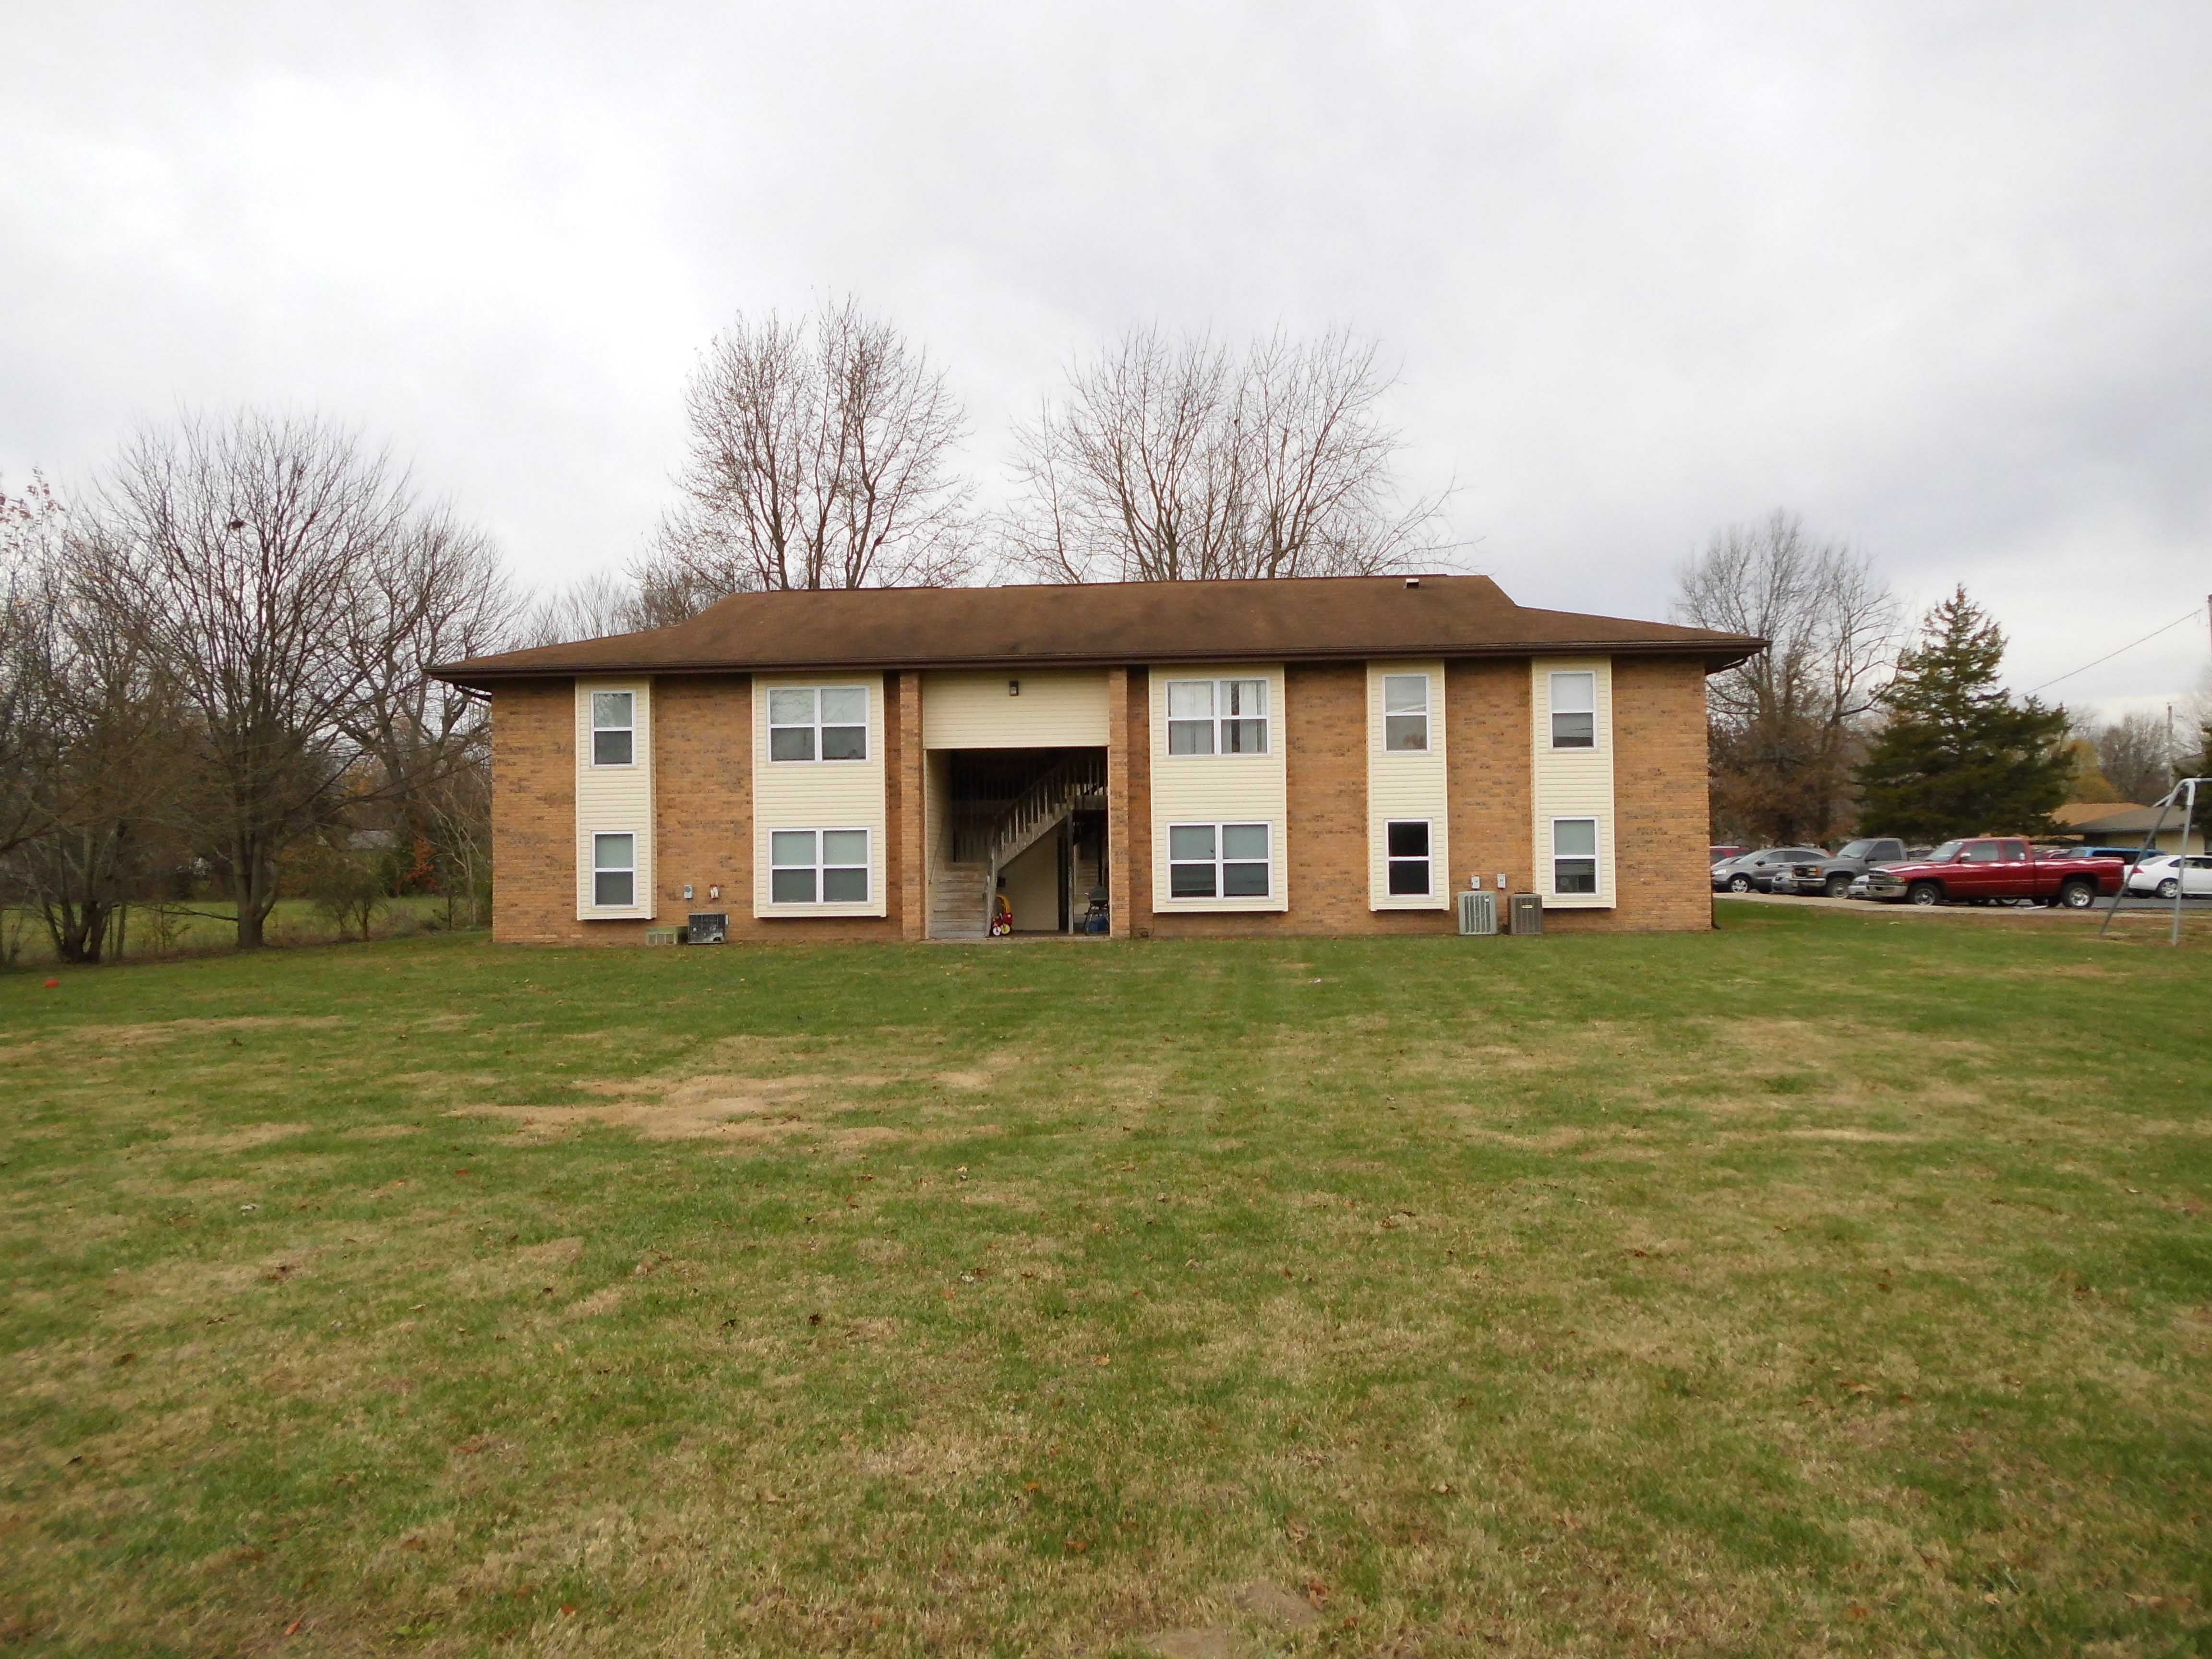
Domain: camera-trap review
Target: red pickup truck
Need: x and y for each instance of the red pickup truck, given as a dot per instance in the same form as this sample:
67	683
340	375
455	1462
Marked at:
1992	869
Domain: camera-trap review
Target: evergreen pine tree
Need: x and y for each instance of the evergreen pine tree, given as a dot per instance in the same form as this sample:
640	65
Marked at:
1958	757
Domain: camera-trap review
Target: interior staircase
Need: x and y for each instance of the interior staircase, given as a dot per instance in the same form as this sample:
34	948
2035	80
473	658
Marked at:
1012	809
959	901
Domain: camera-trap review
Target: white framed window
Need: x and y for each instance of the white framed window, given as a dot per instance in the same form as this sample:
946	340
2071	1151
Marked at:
817	866
817	723
614	870
1219	860
614	728
1405	844
1574	709
1574	855
1405	712
1217	717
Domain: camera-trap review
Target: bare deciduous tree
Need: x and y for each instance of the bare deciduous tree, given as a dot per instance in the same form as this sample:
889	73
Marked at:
820	456
92	793
284	578
1175	460
32	526
439	596
1789	724
2135	755
657	590
458	807
589	608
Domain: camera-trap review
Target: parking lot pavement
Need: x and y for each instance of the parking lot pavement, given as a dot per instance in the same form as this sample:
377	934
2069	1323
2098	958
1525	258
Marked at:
2130	905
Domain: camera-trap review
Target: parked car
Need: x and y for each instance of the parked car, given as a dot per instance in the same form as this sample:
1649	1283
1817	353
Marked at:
1723	854
1833	876
1749	870
1991	870
2127	855
2161	873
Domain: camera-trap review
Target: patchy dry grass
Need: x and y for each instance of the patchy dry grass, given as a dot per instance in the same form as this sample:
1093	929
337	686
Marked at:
1829	1285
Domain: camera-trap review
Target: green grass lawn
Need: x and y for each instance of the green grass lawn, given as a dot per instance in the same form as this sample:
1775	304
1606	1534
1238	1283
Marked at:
1835	1283
202	926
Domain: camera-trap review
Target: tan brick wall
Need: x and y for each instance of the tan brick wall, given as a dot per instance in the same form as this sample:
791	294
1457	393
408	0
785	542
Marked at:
1325	734
908	872
1486	754
703	730
533	813
703	812
1128	804
1660	809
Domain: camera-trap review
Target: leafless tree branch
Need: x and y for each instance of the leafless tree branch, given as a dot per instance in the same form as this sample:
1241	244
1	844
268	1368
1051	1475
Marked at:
1789	724
820	456
1174	459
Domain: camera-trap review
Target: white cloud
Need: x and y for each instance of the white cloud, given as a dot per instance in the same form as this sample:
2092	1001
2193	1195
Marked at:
1930	273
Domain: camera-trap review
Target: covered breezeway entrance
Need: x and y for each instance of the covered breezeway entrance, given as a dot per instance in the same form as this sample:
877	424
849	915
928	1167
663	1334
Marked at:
1029	824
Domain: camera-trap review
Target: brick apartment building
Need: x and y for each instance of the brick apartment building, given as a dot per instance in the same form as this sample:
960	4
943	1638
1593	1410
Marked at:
1330	756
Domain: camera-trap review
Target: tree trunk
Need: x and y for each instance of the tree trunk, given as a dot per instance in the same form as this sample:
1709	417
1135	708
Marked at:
78	930
254	884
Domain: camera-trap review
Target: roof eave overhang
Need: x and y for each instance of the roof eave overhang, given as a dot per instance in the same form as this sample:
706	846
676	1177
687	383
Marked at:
1717	655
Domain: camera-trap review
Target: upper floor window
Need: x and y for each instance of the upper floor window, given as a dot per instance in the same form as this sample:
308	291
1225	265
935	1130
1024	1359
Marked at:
1217	717
1574	710
1405	712
828	722
614	728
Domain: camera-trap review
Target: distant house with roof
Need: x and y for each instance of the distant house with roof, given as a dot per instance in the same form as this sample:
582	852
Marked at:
2124	823
1322	756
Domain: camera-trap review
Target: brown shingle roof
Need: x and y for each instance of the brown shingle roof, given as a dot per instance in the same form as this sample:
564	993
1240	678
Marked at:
2107	818
1104	622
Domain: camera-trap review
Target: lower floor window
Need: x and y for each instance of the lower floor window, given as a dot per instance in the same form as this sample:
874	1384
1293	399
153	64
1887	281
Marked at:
1218	861
614	870
1406	842
817	866
1574	855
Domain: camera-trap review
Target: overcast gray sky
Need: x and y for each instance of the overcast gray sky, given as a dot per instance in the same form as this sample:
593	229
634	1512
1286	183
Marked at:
1935	275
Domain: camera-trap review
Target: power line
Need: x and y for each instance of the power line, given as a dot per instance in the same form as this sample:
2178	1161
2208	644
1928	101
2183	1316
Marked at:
2191	615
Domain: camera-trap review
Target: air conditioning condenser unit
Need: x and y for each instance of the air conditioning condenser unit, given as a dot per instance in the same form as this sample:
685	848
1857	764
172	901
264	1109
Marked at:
1527	913
1478	911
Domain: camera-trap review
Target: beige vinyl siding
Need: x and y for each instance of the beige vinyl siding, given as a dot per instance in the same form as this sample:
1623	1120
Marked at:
1057	709
615	800
1405	784
1033	887
1572	783
819	795
1220	789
